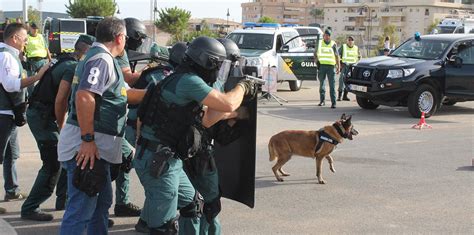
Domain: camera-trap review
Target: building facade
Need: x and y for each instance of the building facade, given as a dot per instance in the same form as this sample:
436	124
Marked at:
366	19
283	11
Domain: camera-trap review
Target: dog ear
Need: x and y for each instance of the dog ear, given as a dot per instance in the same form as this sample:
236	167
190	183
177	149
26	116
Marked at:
343	116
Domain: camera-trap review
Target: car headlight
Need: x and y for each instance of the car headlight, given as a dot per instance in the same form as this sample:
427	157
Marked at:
254	61
399	73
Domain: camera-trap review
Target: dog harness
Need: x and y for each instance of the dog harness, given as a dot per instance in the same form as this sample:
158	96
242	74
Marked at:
324	137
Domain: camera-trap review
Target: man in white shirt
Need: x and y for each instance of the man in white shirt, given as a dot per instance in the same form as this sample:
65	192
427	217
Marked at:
13	80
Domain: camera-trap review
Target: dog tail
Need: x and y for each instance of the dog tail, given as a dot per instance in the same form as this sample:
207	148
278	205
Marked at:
271	151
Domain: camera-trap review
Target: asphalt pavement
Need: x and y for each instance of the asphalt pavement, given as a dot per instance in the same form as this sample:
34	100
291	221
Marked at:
390	179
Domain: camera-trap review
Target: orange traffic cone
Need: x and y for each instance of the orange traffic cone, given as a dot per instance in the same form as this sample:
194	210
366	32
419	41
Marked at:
422	123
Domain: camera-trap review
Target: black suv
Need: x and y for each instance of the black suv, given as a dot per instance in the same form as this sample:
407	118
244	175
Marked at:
422	73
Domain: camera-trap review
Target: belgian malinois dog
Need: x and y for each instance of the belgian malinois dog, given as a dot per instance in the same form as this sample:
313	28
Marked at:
315	144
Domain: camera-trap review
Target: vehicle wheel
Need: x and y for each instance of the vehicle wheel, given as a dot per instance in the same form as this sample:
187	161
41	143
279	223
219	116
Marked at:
449	103
366	103
424	99
295	85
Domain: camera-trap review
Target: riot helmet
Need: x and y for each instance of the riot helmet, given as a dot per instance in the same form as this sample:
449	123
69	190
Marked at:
205	55
231	49
177	53
136	32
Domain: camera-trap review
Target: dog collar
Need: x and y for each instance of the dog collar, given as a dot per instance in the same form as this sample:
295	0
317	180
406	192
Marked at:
339	131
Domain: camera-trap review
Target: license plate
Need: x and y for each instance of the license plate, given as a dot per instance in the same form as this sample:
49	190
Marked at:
359	88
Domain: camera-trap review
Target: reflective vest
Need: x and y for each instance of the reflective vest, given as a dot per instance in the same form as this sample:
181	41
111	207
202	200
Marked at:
36	47
350	55
111	107
7	99
326	54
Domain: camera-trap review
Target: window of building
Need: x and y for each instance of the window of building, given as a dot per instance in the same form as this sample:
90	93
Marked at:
427	12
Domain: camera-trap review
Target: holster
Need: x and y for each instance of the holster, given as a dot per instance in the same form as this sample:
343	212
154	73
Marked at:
201	163
90	181
189	145
126	165
159	163
20	114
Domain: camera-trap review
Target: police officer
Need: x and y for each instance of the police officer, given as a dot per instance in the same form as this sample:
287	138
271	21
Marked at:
202	170
349	54
172	118
41	120
136	33
13	104
92	136
151	76
36	52
328	63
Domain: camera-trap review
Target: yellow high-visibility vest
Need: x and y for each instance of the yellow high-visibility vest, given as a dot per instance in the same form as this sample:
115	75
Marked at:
350	55
326	54
36	47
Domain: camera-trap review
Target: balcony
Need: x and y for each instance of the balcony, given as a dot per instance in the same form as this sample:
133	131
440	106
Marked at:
390	14
349	23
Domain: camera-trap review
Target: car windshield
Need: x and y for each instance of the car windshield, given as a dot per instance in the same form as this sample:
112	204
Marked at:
445	29
422	49
252	41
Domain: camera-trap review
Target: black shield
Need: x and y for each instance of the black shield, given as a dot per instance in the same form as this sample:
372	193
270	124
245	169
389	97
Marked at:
236	161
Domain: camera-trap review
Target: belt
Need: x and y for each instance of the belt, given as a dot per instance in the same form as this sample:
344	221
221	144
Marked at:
36	58
146	144
132	123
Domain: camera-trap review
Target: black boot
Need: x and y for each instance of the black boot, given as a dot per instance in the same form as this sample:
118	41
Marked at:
339	94
321	103
345	96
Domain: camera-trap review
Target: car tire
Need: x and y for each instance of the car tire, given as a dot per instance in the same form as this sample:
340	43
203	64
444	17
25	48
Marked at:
295	85
366	103
424	99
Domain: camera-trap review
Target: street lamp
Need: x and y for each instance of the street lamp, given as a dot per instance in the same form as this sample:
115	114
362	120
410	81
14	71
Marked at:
369	39
228	14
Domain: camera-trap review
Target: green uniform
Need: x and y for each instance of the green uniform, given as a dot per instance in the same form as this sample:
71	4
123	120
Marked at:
122	183
172	189
327	59
349	56
42	124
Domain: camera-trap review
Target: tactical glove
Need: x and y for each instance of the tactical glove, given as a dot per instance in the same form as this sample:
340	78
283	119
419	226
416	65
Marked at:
248	86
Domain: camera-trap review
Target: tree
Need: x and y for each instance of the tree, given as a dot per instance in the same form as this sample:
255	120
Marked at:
34	16
390	31
173	21
340	39
205	31
433	26
84	8
318	14
266	19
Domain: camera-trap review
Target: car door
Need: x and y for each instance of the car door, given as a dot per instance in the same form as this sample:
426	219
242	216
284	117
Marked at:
459	81
296	61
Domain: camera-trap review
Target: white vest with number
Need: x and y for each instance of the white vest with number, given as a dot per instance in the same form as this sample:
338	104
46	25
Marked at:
350	55
326	54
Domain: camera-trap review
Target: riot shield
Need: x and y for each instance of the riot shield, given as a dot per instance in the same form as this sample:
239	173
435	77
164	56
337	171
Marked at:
236	161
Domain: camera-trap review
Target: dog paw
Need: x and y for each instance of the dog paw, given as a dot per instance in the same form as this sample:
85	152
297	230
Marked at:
280	179
322	182
333	170
285	174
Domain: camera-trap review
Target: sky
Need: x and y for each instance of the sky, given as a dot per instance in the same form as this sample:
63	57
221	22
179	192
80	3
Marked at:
140	9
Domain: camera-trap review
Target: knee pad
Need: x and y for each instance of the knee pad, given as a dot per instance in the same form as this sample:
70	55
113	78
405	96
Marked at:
169	228
193	209
212	209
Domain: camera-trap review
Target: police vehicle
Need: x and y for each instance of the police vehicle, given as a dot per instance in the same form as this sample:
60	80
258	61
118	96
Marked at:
267	45
423	73
62	33
454	25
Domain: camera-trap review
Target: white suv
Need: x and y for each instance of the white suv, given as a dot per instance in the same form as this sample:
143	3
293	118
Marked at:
269	45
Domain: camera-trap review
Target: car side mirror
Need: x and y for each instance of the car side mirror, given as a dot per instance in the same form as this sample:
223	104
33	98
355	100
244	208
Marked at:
455	61
285	48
